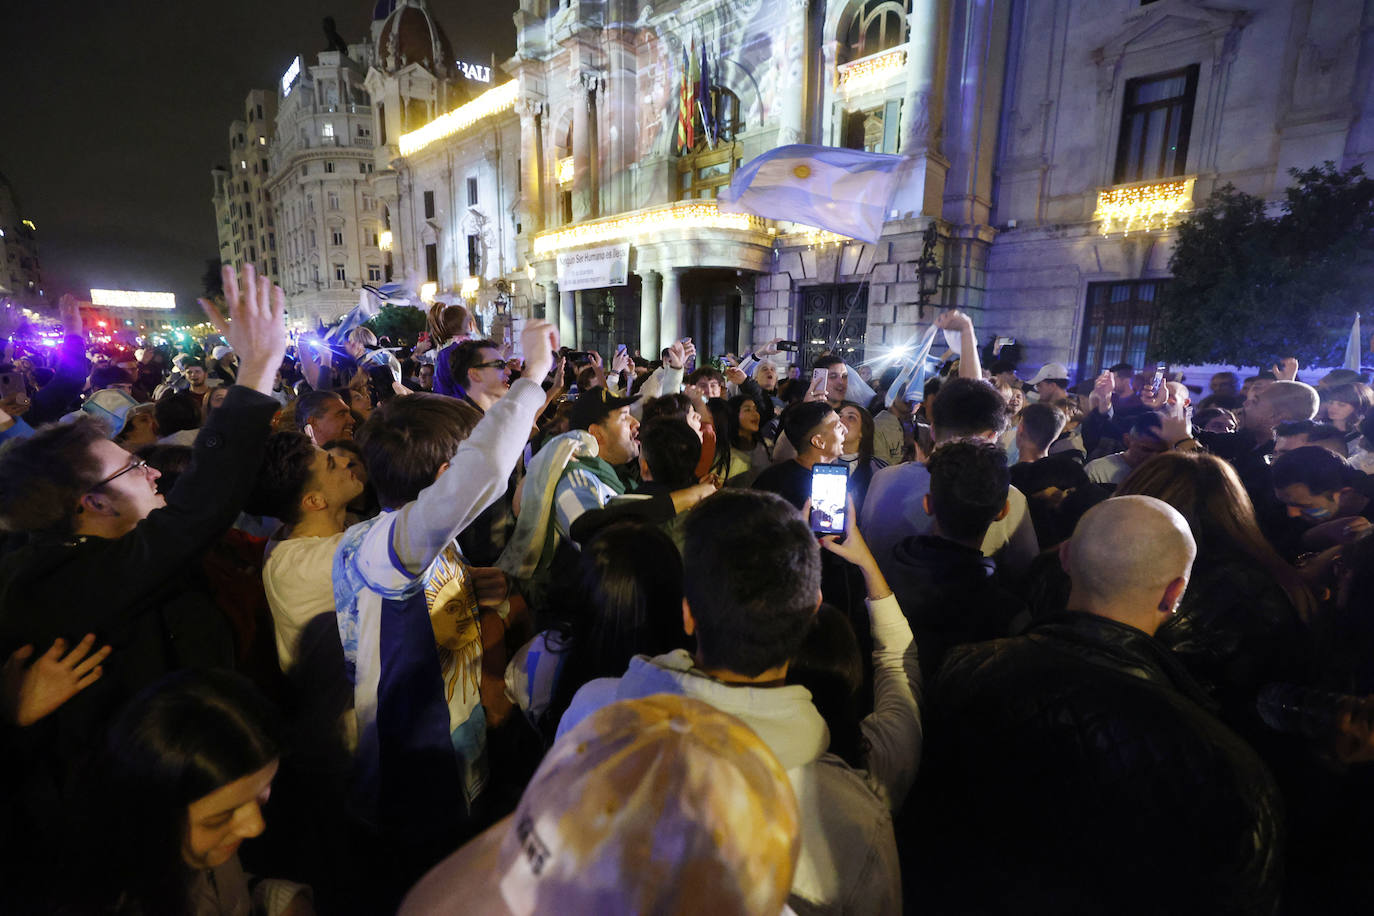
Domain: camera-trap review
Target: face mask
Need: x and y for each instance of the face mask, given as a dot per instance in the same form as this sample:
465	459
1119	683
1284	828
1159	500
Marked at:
1317	514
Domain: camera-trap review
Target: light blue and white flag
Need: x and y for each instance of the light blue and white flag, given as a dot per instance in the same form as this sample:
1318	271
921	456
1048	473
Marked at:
844	191
916	388
1353	349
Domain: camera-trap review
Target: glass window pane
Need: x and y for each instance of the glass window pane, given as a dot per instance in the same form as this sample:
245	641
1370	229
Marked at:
1148	91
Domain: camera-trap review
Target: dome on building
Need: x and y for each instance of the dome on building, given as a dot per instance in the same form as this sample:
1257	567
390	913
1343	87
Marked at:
411	35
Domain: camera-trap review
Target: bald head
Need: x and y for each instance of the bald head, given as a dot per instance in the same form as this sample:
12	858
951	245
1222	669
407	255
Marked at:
1291	400
1129	560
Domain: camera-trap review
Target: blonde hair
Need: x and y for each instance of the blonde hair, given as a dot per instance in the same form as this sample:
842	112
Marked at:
448	321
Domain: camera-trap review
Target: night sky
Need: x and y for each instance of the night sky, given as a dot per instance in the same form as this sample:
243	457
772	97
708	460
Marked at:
113	113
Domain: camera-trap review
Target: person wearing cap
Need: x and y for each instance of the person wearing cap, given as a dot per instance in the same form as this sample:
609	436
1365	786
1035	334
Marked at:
107	554
591	481
223	364
1051	383
657	805
751	587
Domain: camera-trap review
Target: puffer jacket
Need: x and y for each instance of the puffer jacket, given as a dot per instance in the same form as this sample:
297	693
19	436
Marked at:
1077	769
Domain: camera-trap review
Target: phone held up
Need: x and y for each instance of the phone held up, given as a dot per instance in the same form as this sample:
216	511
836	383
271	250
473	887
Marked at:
788	346
829	487
1160	369
819	380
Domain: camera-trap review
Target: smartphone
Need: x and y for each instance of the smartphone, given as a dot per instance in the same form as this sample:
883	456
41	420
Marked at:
1159	377
11	384
829	487
788	346
1001	342
819	380
620	349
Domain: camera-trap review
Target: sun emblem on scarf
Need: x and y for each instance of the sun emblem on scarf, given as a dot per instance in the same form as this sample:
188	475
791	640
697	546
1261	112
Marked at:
802	171
453	613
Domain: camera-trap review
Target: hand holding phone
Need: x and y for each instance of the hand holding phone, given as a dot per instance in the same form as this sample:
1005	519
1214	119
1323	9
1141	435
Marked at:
820	378
829	496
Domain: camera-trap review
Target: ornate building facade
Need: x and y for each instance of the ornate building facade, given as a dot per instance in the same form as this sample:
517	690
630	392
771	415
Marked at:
1048	147
21	275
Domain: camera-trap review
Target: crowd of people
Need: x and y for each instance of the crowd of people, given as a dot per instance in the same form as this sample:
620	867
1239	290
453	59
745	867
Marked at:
363	626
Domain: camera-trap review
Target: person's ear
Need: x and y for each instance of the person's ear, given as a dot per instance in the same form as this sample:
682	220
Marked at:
689	625
98	504
1006	509
925	505
1173	593
314	501
442	468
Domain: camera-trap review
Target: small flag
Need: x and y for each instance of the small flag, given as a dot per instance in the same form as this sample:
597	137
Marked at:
841	190
360	314
1353	350
685	135
704	107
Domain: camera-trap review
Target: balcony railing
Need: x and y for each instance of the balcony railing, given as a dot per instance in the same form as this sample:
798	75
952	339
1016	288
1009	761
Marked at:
1144	205
870	71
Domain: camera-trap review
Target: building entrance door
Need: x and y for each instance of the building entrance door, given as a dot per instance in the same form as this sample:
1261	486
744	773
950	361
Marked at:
609	318
832	319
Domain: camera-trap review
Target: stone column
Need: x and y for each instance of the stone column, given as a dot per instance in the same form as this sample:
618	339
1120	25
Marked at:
793	81
567	319
670	328
648	315
923	188
551	303
531	191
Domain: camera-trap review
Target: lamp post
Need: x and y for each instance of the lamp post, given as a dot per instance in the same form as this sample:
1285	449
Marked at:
928	272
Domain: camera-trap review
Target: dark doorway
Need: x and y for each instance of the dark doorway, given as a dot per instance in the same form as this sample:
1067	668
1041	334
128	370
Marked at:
715	313
833	319
610	317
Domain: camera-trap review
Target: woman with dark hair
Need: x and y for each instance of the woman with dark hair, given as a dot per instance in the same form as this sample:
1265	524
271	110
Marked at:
858	451
184	772
1344	406
448	326
831	666
741	453
626	601
1240	623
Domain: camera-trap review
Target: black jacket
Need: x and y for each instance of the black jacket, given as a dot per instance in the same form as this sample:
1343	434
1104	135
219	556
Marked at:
1075	769
143	593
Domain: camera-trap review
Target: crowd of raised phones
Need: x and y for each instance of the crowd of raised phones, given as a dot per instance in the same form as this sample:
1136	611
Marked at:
355	627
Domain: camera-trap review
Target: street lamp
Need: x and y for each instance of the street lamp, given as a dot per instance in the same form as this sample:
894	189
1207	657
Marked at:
928	272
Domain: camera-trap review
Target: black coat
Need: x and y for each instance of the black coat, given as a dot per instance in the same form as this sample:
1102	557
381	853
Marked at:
1074	769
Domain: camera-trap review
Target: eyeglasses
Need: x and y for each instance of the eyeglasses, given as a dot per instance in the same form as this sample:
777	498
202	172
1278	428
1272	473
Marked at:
492	364
137	465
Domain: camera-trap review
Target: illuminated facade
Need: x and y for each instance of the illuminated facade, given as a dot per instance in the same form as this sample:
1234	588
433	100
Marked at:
328	223
1053	145
21	276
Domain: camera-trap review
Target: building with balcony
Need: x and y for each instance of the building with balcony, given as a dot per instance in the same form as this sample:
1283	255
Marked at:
21	275
1114	126
328	223
1051	146
244	220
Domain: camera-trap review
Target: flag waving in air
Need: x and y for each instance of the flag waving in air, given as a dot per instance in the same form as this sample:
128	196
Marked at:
842	190
705	108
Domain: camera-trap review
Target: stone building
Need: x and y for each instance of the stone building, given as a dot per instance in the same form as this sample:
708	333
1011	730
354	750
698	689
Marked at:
328	221
21	275
243	212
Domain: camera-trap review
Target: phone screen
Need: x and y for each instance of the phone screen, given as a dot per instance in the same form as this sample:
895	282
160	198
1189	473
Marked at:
1159	377
788	346
829	486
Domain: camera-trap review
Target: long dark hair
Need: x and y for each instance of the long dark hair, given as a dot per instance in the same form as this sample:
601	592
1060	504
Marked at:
627	601
179	740
830	665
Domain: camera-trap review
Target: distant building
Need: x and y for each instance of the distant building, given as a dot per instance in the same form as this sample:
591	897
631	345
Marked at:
21	276
329	223
451	208
244	221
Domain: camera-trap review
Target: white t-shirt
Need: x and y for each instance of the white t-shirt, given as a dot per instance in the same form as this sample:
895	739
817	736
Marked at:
1110	469
298	578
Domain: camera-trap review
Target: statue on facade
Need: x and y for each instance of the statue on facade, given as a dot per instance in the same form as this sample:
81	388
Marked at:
331	34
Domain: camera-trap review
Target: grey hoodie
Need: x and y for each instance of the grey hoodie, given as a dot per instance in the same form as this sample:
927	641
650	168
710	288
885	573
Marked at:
848	858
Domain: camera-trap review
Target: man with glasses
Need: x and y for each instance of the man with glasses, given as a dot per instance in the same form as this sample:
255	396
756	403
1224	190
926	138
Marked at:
480	372
106	554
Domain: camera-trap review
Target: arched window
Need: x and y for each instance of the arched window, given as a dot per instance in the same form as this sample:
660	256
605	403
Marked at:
875	26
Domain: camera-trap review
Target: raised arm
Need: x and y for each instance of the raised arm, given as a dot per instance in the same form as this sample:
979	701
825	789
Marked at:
969	364
479	470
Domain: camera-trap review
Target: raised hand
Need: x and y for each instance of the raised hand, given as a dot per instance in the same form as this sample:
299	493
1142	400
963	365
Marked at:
768	349
538	341
31	692
620	361
677	355
735	375
1101	398
1286	369
953	320
256	325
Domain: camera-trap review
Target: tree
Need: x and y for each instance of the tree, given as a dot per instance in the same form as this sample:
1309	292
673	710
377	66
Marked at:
398	321
1250	287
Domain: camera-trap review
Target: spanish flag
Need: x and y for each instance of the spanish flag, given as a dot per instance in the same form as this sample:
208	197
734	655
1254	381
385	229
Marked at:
686	116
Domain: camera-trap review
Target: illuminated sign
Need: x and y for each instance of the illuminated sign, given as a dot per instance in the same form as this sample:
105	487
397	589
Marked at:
493	101
132	299
645	224
475	72
289	77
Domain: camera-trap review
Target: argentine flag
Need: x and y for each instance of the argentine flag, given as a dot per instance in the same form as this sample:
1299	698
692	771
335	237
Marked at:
842	190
